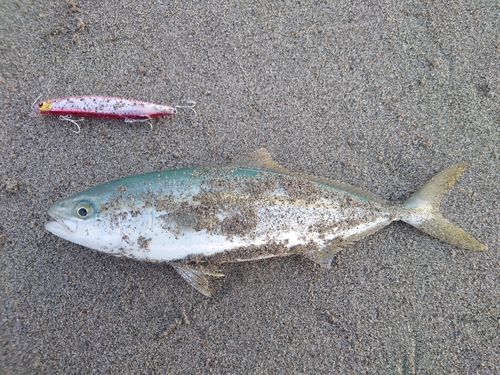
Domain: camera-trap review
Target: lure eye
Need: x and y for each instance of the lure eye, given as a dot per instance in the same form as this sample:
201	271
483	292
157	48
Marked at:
83	210
40	105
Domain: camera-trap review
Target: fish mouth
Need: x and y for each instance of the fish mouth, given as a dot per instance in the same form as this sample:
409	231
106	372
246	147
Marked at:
59	225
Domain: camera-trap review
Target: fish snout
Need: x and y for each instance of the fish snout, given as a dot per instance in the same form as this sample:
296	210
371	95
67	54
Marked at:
63	219
61	226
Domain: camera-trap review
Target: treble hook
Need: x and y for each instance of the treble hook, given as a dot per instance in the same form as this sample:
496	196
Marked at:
37	99
190	106
75	122
147	119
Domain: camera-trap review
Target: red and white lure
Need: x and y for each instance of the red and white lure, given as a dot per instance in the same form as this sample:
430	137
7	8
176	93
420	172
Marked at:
105	107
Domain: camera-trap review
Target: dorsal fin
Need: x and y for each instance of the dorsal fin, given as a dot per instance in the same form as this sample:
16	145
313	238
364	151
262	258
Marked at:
261	159
353	190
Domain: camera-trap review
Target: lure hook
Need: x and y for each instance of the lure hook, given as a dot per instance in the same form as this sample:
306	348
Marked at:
190	106
147	119
36	100
75	122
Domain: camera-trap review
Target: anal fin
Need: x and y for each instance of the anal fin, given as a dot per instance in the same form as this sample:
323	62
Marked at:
325	256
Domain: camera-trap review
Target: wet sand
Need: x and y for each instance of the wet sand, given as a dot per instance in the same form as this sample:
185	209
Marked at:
378	95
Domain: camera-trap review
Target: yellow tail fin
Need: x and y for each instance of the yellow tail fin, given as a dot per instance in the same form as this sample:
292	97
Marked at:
422	211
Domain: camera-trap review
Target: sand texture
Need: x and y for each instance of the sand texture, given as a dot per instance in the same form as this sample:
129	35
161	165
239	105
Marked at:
378	94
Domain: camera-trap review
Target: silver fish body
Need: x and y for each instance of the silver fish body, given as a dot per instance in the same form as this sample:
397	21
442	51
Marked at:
197	217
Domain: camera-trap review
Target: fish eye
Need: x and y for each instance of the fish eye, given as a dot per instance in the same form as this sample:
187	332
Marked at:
83	210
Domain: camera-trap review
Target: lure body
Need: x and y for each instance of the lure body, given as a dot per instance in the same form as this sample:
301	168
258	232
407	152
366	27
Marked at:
103	107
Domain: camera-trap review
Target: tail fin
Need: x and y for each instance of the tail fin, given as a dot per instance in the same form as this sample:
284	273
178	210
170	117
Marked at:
422	211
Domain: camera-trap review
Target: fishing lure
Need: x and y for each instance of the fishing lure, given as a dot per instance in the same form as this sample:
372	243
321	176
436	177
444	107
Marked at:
105	107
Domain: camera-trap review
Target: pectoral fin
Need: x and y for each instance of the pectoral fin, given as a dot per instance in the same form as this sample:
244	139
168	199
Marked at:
196	277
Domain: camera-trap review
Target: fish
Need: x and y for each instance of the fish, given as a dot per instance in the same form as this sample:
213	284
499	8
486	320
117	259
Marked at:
199	218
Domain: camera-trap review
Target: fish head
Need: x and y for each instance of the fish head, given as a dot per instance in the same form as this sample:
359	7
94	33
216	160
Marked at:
78	219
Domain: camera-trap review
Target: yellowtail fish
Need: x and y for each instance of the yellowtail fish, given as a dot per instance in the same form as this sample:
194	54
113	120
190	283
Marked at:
198	218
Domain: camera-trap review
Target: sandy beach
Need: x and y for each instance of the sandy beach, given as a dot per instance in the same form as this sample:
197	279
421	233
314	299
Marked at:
380	95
